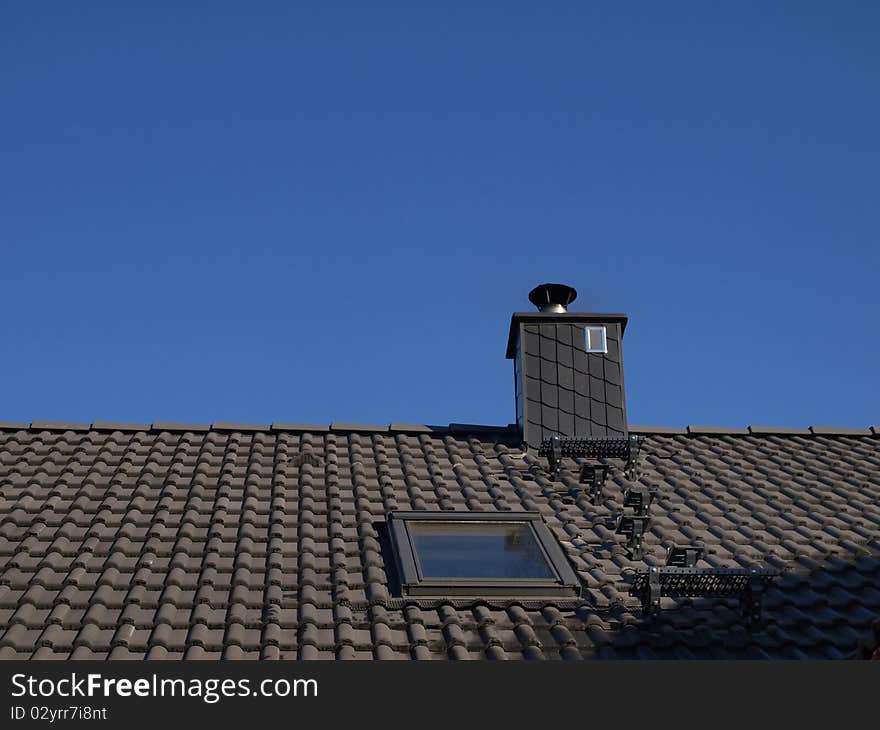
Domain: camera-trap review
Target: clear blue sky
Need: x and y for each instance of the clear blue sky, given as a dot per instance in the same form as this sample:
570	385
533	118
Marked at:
291	212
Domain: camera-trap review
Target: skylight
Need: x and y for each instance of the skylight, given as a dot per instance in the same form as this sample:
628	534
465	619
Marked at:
479	554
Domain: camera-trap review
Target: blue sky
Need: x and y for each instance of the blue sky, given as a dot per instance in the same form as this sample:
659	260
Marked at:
275	212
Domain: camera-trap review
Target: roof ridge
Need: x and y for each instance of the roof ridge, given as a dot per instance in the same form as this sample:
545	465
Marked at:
336	427
413	428
694	430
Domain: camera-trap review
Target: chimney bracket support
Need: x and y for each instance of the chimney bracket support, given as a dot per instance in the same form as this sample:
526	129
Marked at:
554	457
651	599
751	601
631	471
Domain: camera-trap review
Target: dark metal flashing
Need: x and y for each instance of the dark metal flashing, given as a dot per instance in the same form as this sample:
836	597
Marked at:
563	317
465	603
436	589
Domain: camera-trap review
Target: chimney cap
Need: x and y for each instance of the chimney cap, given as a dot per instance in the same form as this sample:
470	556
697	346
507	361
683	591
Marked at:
552	297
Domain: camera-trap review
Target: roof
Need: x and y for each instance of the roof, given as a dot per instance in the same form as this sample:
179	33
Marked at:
238	541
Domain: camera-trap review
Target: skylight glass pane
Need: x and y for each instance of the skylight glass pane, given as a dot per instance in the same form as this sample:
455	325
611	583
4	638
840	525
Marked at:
478	550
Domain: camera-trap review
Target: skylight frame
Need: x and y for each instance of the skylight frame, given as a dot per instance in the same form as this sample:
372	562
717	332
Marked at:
563	584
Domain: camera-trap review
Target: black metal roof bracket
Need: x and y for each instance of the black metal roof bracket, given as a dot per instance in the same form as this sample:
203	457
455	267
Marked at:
639	499
684	556
651	602
554	456
631	470
751	601
594	475
633	527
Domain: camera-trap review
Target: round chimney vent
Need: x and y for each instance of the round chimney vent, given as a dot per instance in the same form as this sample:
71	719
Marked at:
552	297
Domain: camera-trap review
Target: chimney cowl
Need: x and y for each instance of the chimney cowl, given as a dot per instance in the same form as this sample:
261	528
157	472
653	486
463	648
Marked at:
552	298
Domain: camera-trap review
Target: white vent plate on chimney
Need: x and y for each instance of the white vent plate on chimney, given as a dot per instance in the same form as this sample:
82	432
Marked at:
595	339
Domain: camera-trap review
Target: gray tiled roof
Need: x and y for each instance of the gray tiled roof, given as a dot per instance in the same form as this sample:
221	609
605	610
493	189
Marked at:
185	541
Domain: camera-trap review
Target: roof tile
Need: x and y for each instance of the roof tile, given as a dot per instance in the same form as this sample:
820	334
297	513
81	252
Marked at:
226	426
661	430
170	426
58	426
717	430
834	431
300	427
772	430
357	427
410	428
476	429
115	426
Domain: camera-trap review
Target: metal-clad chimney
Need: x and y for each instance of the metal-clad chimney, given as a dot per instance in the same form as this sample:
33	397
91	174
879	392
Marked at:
568	369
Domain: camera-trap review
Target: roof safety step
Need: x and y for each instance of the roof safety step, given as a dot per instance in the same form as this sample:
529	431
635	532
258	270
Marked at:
748	584
555	449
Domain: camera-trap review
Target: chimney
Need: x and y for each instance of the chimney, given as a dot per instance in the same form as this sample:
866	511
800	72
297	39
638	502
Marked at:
568	370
